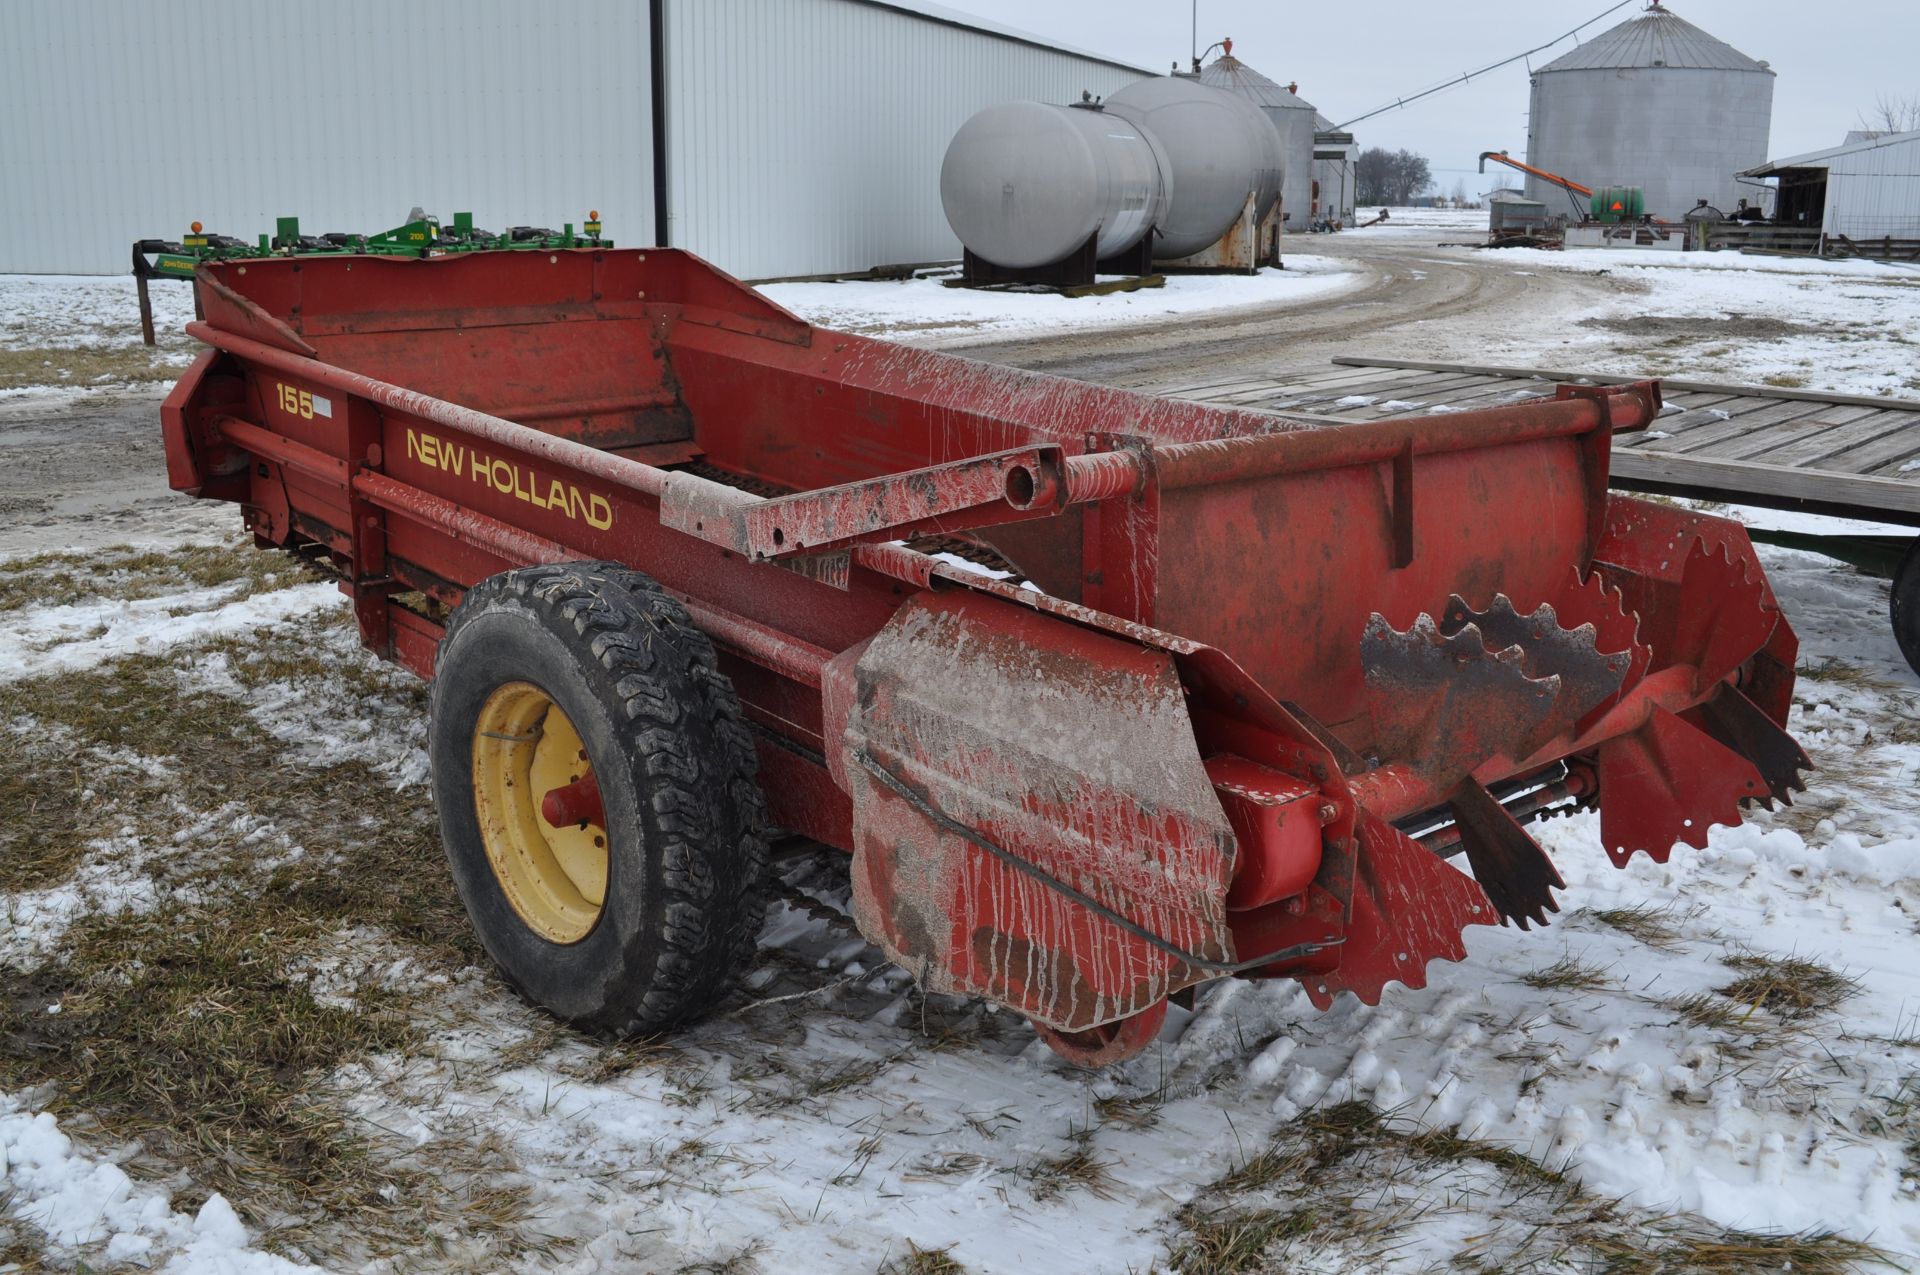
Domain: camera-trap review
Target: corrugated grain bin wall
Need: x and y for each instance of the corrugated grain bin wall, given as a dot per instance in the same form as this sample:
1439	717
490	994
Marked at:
127	122
1657	103
829	120
1290	116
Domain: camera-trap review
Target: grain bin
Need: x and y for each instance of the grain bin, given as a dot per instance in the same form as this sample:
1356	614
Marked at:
1656	103
1219	148
1025	184
1290	116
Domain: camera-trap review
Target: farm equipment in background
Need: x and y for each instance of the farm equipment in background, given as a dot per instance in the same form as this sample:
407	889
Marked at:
1575	191
1106	695
422	236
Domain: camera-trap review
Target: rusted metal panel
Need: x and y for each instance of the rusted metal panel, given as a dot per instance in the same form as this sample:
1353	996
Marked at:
1033	821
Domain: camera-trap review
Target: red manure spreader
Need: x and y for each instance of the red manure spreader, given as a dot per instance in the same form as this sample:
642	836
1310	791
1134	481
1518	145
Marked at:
1106	695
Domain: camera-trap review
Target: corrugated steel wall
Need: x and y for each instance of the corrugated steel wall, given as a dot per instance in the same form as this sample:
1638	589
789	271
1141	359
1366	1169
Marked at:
805	135
1681	134
128	121
1875	193
806	138
1336	181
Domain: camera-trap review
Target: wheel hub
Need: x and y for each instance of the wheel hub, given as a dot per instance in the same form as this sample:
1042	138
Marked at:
540	813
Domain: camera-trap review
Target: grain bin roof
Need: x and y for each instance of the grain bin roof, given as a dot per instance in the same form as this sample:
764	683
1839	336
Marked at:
1657	38
1230	73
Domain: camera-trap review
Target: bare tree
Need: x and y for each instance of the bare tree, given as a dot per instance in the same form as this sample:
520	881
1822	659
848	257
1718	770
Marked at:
1390	177
1370	176
1460	193
1891	114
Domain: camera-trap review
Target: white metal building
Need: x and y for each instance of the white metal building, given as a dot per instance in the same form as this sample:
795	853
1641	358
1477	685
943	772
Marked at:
1868	188
1335	182
778	138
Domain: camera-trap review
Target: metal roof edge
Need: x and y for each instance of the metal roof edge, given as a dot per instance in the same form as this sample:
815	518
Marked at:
943	16
1811	158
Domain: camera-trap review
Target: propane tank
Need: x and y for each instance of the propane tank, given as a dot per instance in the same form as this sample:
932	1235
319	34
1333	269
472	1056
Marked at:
1025	184
1220	148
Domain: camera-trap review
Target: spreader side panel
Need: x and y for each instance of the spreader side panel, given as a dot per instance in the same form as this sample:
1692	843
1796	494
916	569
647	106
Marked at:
1032	820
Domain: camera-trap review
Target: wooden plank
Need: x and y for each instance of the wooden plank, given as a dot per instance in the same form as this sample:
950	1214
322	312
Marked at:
1758	391
1704	436
1376	387
1328	395
1198	392
1338	376
1706	428
1760	444
1756	482
1492	393
1308	383
1428	386
1698	413
1816	450
1741	480
1412	400
1889	451
1231	393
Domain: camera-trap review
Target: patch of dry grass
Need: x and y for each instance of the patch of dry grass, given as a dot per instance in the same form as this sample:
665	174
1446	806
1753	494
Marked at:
185	1028
1897	1115
1646	924
1839	672
1446	1145
43	807
1739	1253
1711	1010
373	854
1772	995
22	1251
743	1261
1078	1168
126	574
1236	1242
1570	974
113	365
924	1261
196	1027
1790	988
1342	1182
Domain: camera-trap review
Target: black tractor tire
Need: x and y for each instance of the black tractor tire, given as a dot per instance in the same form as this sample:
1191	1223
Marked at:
686	851
1906	605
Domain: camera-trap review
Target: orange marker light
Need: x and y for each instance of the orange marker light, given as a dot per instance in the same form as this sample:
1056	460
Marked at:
593	214
195	227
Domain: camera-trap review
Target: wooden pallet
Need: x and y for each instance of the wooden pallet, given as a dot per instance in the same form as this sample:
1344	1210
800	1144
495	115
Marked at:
1843	454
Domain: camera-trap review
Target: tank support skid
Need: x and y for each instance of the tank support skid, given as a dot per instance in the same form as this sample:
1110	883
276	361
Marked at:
1231	691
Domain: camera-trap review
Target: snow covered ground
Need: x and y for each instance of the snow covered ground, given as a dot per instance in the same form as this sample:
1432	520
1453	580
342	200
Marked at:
831	1114
926	312
1850	326
196	745
1421	223
79	335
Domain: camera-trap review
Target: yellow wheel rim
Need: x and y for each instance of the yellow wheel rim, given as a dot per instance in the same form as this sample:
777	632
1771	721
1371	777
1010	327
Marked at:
523	748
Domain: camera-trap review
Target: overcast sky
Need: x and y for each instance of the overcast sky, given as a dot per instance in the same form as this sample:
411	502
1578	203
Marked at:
1353	56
